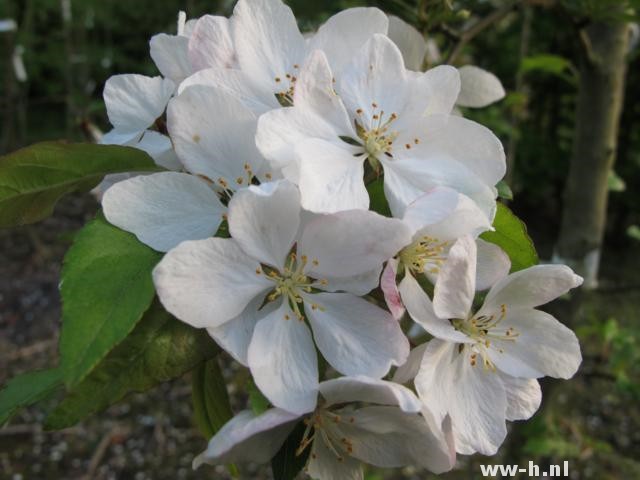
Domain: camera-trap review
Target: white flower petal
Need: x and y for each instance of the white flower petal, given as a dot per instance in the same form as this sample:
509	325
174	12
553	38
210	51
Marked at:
346	32
543	346
433	207
267	40
118	137
531	287
387	437
351	242
160	148
455	288
283	361
390	289
465	141
360	284
410	42
134	102
235	335
493	264
369	390
325	465
479	88
213	134
236	83
466	219
206	283
408	371
356	337
248	438
318	113
331	179
170	54
265	222
443	87
421	311
164	209
210	44
374	76
474	397
523	397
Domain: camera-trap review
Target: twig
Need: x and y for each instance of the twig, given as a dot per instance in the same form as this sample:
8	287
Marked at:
101	450
33	349
468	34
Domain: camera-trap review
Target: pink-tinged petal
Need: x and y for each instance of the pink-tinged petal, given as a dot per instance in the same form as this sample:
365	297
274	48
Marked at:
248	437
264	220
283	361
455	288
350	243
206	283
493	265
164	209
479	88
356	337
390	290
474	397
531	287
369	390
211	45
421	311
541	346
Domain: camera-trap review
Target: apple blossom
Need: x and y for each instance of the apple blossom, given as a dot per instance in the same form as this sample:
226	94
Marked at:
481	367
398	121
307	272
340	433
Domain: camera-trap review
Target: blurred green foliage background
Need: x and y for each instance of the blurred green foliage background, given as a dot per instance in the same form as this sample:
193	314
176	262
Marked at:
70	47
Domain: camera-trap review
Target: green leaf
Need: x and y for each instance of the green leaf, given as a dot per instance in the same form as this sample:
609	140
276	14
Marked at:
106	287
33	179
511	235
27	389
257	401
159	349
210	398
633	231
286	464
550	64
377	200
615	182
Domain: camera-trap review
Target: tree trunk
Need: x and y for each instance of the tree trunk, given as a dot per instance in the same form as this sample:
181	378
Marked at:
600	98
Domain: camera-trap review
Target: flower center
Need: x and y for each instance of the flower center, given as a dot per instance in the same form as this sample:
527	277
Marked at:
292	282
427	254
376	134
485	329
284	92
320	427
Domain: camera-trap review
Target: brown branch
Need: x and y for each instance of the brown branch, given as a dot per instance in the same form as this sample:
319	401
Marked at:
478	27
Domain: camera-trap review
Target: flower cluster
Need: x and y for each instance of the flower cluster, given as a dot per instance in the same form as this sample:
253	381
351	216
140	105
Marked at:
271	140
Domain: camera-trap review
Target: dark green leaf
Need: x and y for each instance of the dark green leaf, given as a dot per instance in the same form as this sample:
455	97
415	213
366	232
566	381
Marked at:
211	406
33	179
159	349
106	287
511	235
286	464
27	389
377	200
